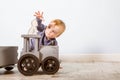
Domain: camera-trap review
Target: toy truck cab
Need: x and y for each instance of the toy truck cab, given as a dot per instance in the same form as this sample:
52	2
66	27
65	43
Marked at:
45	57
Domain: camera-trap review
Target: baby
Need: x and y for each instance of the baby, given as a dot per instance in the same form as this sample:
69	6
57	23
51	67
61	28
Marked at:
48	33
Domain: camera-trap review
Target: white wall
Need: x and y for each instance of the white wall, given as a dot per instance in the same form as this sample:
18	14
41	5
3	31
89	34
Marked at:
92	25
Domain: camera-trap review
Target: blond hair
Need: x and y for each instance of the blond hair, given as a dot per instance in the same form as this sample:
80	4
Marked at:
60	24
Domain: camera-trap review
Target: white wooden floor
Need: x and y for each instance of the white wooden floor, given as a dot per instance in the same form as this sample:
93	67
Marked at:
71	71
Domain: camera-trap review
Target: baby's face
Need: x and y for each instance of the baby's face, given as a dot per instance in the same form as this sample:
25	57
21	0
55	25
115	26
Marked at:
52	31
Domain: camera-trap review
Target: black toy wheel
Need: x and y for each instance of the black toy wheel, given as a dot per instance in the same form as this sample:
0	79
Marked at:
8	68
28	64
50	65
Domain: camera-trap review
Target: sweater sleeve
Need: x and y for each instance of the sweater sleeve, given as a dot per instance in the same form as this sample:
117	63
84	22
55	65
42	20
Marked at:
40	26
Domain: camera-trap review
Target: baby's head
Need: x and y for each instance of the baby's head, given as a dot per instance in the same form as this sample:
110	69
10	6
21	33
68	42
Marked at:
55	29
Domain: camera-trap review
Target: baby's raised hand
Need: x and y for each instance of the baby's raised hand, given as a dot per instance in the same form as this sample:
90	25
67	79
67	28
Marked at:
39	15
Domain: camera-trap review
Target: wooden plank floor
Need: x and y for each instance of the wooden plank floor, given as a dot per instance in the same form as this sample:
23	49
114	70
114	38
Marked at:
71	71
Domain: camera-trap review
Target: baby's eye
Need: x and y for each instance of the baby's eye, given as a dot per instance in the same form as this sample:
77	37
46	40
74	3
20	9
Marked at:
54	32
49	26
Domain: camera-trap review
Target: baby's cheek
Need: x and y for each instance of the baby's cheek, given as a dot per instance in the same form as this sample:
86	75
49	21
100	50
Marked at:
55	35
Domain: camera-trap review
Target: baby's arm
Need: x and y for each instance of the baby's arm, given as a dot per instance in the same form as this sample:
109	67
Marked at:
40	26
39	18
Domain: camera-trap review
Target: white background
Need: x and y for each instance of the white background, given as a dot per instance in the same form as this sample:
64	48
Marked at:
92	26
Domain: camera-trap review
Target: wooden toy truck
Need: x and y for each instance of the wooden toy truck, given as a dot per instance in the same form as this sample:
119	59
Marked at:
46	57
